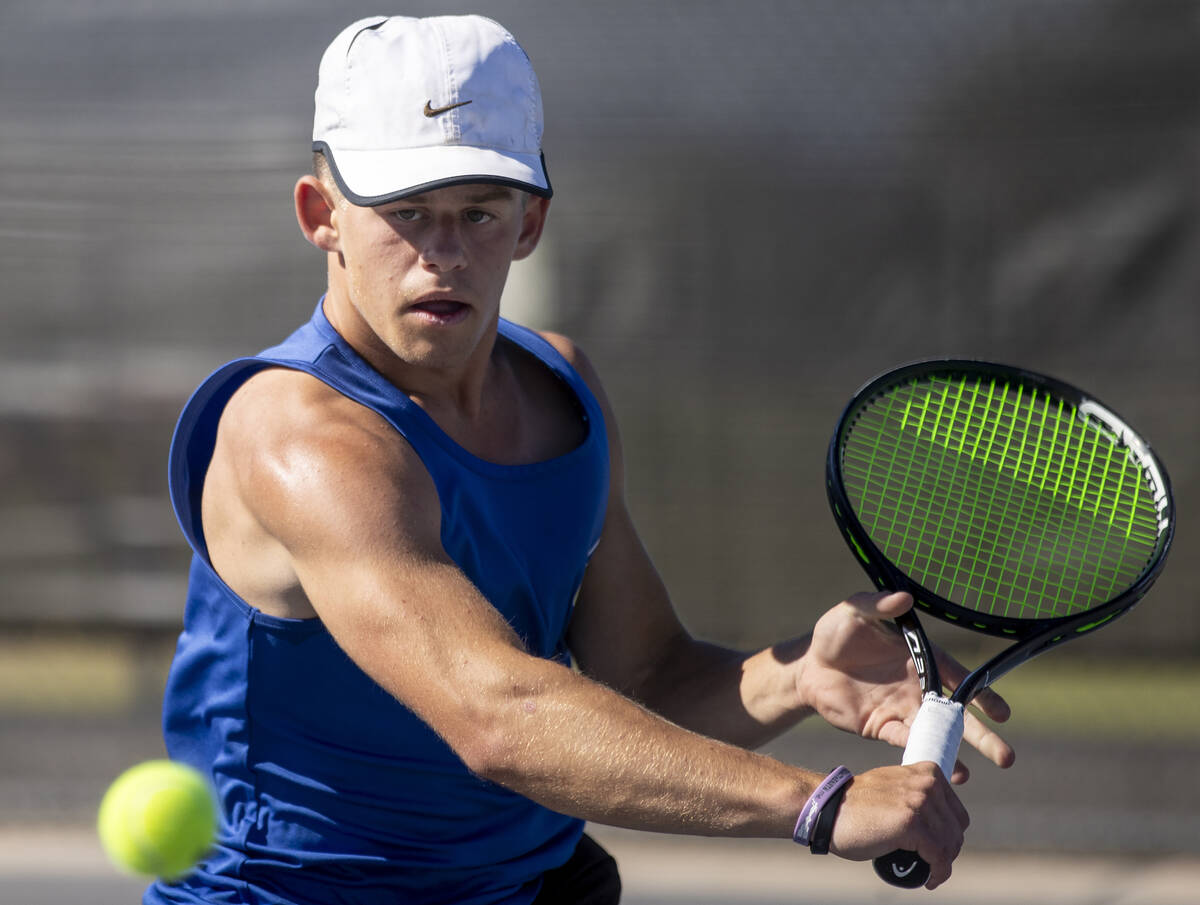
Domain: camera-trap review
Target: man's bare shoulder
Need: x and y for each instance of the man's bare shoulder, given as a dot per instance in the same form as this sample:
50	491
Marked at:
281	408
292	444
574	355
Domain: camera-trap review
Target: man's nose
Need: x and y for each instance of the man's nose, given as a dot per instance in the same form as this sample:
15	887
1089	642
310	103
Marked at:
443	248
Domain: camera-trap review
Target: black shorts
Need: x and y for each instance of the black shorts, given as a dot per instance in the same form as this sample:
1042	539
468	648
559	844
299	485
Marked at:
590	877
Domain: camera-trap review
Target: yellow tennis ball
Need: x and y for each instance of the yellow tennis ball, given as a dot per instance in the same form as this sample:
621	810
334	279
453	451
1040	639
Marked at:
158	819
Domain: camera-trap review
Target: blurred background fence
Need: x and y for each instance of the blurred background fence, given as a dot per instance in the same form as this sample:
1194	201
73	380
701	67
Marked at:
759	205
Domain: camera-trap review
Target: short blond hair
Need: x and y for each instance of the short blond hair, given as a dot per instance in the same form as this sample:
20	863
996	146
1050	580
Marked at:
324	172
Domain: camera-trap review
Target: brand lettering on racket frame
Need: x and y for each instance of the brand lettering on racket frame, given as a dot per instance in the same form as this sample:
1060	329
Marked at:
914	647
1123	434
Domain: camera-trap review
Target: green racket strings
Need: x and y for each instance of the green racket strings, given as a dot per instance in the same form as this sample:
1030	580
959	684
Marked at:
998	496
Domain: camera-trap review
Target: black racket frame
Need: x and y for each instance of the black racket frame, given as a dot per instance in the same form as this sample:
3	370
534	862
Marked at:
1030	636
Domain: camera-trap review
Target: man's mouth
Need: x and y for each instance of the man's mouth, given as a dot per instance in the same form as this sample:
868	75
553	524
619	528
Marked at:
440	310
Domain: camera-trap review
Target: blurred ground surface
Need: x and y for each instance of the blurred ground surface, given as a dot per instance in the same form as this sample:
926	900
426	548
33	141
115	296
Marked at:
66	867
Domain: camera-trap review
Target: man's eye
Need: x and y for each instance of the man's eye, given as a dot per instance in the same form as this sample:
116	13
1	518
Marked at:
407	215
478	216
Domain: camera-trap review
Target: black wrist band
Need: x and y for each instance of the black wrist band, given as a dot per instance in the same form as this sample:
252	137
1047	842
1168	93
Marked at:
822	833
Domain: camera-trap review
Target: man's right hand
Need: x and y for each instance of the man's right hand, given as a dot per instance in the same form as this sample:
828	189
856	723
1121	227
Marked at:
910	807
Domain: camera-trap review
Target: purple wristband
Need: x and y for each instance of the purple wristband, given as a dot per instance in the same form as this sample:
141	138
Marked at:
812	808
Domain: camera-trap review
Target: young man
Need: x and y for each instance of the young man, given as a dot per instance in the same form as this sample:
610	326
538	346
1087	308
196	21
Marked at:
409	524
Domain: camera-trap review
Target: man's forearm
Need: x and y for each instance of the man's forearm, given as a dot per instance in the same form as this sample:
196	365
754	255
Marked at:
580	748
743	699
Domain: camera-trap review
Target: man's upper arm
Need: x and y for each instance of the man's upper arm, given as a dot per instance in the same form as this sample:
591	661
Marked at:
359	517
623	624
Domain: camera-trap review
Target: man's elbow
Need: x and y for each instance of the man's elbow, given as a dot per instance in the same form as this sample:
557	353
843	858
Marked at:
487	749
494	735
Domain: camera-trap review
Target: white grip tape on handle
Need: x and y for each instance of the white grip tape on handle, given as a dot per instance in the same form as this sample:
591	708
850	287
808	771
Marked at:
936	733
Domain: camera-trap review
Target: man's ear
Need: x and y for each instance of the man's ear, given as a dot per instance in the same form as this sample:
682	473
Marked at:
533	221
316	210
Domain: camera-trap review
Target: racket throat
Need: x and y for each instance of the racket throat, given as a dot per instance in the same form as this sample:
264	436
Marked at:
919	649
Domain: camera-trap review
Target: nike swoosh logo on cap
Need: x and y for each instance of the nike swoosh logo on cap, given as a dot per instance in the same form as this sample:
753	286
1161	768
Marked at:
431	110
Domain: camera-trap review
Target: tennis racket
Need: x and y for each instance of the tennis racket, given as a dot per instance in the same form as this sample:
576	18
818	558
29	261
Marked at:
1005	502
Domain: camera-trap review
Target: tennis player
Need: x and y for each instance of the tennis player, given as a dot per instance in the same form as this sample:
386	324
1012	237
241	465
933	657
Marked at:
423	643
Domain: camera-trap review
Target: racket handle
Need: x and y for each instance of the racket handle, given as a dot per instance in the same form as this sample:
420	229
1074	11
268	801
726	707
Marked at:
907	870
935	735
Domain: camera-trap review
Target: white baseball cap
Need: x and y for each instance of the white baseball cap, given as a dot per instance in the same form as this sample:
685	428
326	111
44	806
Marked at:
407	105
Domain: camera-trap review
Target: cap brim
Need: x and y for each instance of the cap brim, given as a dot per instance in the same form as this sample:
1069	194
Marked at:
372	178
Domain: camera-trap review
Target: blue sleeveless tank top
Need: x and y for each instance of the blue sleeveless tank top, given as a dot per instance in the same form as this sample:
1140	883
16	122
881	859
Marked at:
330	789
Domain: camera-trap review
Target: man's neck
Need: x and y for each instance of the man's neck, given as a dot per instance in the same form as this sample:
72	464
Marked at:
456	389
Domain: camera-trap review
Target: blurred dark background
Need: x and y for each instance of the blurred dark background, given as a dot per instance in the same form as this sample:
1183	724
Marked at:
759	206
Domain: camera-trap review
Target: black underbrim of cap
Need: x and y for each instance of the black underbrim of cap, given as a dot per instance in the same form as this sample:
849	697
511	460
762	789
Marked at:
407	192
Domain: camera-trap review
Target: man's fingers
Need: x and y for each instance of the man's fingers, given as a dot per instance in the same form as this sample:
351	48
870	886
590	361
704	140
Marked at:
961	774
994	706
984	740
976	733
881	604
945	822
939	873
910	808
953	672
953	820
959	812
